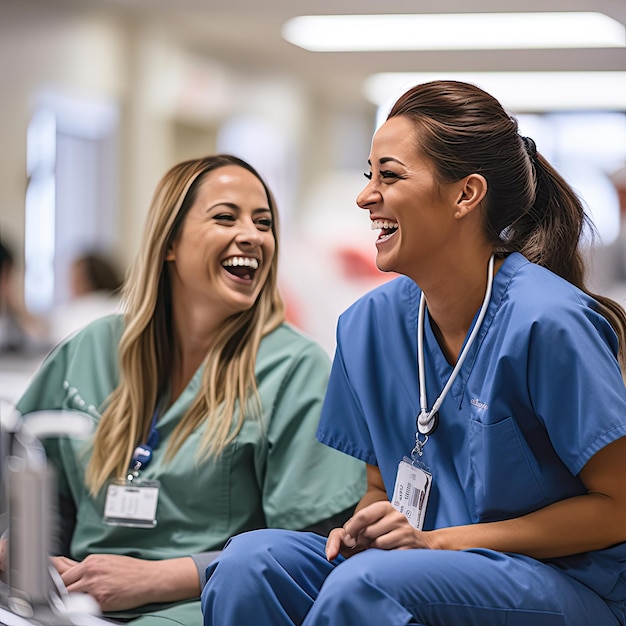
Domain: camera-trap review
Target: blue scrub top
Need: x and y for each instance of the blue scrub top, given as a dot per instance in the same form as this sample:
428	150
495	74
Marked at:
540	392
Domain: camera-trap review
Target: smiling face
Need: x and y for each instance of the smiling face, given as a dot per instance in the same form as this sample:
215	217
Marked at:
415	214
223	252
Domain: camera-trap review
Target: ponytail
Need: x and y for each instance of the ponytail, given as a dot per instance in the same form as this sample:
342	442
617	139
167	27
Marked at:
549	234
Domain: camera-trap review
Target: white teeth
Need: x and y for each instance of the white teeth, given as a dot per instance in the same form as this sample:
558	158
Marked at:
383	224
241	261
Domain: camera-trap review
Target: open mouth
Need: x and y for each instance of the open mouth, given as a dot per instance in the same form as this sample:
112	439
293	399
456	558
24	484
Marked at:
386	227
242	267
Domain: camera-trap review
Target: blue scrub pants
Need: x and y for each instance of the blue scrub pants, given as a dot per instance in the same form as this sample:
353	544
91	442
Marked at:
278	577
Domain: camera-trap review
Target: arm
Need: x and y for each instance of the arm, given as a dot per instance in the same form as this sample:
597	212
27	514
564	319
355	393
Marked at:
119	582
593	521
375	488
338	539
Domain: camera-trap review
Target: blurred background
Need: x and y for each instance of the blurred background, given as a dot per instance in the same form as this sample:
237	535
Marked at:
98	98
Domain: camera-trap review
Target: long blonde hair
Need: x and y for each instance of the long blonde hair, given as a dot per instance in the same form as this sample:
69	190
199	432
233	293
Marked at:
145	348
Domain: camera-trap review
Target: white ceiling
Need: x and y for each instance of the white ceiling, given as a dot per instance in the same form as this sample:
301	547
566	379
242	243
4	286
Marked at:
246	34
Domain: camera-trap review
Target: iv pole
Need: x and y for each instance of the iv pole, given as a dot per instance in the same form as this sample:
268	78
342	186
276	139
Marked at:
34	594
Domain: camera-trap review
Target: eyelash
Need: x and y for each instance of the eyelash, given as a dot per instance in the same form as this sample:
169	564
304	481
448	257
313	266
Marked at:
383	174
265	223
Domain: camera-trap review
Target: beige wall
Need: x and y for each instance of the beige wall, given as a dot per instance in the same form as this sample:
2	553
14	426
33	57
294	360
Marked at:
172	104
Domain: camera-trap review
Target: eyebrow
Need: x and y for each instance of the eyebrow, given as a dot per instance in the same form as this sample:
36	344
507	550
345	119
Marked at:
384	160
236	207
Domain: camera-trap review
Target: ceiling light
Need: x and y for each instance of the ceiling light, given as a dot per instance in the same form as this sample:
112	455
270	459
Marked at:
460	31
517	91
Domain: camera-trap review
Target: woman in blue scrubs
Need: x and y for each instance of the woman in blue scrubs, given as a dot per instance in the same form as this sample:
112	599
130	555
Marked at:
484	390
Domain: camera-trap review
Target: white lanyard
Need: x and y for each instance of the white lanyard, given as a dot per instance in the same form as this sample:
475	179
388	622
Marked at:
427	420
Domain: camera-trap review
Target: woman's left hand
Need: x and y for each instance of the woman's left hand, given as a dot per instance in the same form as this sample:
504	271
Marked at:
120	582
381	526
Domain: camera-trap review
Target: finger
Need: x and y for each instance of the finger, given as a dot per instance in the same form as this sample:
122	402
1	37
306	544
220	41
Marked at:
366	517
71	575
62	563
385	525
333	543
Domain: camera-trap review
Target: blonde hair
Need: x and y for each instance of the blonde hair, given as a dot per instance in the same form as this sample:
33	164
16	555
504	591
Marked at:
145	348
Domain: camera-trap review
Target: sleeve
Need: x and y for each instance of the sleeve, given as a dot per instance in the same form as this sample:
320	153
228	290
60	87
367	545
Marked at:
342	424
46	391
202	560
305	481
576	384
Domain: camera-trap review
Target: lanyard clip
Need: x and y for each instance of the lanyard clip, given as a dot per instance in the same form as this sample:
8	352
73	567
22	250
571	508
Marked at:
418	450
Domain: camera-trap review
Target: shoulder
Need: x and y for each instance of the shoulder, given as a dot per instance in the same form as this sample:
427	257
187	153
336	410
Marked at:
387	308
535	289
81	371
103	333
93	348
397	292
533	297
287	343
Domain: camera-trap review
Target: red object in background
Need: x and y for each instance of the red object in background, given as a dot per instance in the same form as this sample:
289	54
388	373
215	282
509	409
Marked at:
357	264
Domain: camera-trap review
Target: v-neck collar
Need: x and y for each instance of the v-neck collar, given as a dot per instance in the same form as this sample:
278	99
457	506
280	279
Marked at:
443	369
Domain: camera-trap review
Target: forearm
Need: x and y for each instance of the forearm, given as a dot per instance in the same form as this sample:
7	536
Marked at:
375	488
120	582
173	580
370	497
579	524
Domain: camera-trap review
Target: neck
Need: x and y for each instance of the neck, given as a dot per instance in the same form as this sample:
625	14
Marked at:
194	332
454	300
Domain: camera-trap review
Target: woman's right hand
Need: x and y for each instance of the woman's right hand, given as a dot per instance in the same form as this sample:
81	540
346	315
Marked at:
119	582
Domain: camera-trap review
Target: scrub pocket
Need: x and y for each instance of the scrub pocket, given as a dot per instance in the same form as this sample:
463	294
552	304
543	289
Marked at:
504	472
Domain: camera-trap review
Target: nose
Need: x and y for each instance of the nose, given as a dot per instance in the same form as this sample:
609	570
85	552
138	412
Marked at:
369	196
249	235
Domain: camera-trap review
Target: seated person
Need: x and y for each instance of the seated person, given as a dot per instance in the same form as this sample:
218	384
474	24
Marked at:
483	387
205	404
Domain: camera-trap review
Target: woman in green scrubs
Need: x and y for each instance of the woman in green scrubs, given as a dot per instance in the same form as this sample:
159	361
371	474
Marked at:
204	402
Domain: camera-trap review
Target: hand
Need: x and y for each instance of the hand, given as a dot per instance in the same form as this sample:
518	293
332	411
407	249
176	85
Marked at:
115	582
336	544
378	525
120	582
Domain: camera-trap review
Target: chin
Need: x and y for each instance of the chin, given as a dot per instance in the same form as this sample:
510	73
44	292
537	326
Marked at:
384	265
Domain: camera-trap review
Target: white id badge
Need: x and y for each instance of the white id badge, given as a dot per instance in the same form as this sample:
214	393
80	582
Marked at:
132	505
411	492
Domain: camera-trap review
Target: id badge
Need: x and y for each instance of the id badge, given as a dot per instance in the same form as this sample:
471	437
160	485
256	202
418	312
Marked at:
411	492
131	504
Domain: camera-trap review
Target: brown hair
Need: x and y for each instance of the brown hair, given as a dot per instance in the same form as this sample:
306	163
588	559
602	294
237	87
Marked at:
529	207
145	349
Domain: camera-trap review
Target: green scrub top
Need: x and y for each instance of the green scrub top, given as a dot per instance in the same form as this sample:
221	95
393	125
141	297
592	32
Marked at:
274	474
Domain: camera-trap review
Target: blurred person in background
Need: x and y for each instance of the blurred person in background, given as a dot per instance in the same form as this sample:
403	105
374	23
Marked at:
20	331
95	283
205	404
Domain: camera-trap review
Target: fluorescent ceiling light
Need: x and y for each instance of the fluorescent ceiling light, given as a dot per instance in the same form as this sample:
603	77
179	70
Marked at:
517	91
460	31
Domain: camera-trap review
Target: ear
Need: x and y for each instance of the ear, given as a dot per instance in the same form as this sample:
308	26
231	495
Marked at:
170	255
471	192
